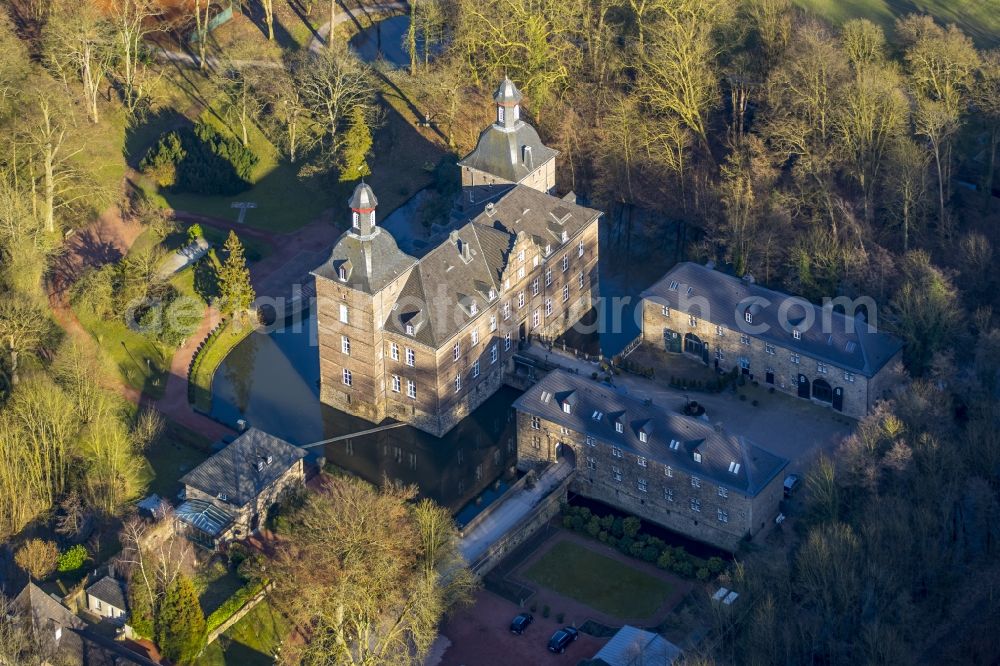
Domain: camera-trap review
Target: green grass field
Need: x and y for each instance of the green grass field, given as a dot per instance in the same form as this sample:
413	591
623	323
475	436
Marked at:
250	642
600	582
980	19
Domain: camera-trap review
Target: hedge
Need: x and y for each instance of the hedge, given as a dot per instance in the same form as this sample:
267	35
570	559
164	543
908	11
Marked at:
231	605
626	535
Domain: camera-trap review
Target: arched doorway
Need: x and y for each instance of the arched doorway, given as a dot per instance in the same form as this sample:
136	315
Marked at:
693	345
565	453
803	387
822	390
838	399
671	341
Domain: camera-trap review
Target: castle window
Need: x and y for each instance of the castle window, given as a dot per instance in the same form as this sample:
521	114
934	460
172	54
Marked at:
821	368
458	383
534	287
797	334
796	359
697	457
520	272
723	493
500	111
643	437
394	351
695	482
565	293
616	472
618	426
719	354
580	279
343	313
345	345
768	348
342	273
493	354
536	423
695	504
520	256
616	452
668	494
536	442
475	369
641	461
565	263
579	249
354	219
548	276
493	293
548	306
411	357
591	441
719	331
411	388
506	311
520	299
748	316
591	463
723	516
536	318
745	339
849	377
473	308
493	323
668	471
692	320
666	310
396	383
474	336
506	341
347	377
642	485
456	352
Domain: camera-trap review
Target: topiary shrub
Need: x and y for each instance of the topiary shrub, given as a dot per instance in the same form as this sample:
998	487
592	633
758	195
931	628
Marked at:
72	559
201	160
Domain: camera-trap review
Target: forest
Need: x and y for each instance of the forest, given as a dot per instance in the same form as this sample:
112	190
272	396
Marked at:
824	160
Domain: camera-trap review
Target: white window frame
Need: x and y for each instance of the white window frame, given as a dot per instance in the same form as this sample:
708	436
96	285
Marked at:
548	307
641	484
345	345
696	505
394	351
411	388
536	423
458	382
581	279
411	357
565	293
695	482
668	471
493	354
565	263
641	461
456	352
344	316
536	318
506	341
548	277
723	515
474	337
723	492
591	463
475	368
397	384
534	287
493	323
347	377
579	249
520	299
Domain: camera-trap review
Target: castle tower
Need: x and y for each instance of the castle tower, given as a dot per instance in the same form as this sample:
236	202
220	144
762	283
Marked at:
508	153
355	290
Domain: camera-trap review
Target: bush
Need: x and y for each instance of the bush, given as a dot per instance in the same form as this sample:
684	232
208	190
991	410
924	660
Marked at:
195	232
617	527
683	567
716	565
631	526
666	559
72	559
702	574
37	558
567	522
650	553
201	160
607	522
594	527
603	536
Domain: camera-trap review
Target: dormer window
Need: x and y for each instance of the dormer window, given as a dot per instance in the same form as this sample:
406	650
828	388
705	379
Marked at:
355	220
342	273
565	236
548	249
619	427
797	334
748	316
409	329
674	445
223	496
673	285
493	293
473	308
567	408
697	457
500	111
597	415
643	437
734	467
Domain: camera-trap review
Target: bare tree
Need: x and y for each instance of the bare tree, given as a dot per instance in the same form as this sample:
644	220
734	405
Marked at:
332	84
80	40
133	22
202	13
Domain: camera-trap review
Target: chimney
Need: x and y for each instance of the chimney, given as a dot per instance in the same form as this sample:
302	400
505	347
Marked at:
465	250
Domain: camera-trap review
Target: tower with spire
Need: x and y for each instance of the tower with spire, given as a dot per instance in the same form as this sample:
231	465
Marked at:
507	153
355	289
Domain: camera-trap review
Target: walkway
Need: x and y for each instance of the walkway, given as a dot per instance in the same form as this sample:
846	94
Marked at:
512	511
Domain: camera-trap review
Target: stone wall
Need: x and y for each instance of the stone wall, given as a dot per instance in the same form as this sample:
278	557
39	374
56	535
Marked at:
769	365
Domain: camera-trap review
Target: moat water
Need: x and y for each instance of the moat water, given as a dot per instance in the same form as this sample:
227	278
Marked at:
386	40
272	381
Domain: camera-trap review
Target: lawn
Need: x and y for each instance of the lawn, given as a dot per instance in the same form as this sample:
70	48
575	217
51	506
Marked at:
250	642
980	19
174	453
604	584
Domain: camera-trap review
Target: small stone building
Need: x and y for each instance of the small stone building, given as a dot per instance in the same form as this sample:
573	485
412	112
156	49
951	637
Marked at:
647	460
823	354
426	341
106	598
228	496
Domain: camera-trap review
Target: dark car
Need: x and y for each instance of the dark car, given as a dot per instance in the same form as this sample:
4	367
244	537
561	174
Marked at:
562	638
520	623
791	483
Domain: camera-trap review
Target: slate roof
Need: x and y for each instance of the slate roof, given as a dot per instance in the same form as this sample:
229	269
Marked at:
500	151
362	198
437	294
673	438
110	591
234	471
371	262
45	615
849	344
631	646
507	92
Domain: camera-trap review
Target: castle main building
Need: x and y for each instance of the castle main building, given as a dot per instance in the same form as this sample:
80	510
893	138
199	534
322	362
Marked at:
427	340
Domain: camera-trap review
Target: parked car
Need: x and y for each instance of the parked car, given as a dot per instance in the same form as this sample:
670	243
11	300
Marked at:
562	638
520	623
791	484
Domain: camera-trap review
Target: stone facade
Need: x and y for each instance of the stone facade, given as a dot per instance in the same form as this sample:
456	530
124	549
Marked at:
656	483
427	341
818	372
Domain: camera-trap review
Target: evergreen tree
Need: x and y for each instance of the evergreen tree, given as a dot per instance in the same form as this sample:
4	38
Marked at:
357	144
140	605
180	624
235	290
